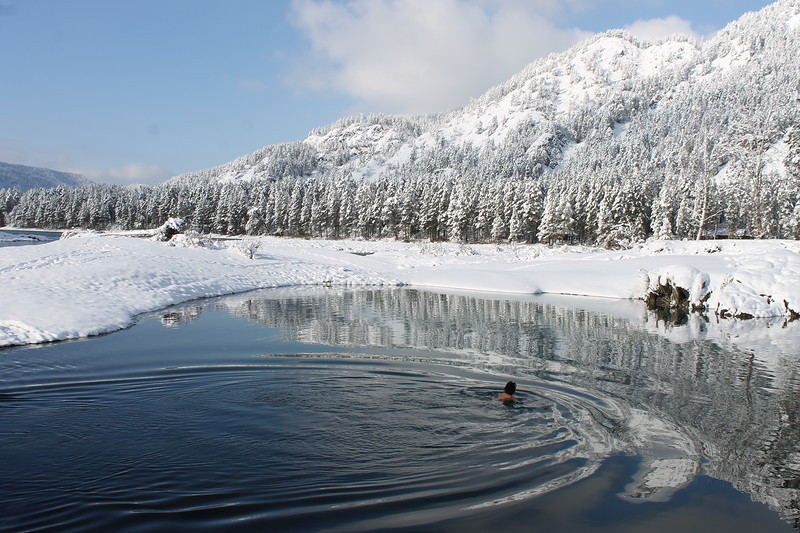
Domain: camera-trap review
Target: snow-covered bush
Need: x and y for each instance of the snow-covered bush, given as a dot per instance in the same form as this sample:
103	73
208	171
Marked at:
463	249
69	234
170	228
248	247
431	248
190	239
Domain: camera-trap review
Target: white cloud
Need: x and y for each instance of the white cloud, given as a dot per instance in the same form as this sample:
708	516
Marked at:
659	28
132	173
419	56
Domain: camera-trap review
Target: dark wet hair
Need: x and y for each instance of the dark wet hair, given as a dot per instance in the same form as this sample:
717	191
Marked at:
511	388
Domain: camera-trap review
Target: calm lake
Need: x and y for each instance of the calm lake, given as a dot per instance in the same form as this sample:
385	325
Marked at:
324	409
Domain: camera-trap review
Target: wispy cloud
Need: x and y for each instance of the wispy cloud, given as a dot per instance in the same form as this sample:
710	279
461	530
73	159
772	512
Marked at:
660	28
30	154
130	174
12	151
417	56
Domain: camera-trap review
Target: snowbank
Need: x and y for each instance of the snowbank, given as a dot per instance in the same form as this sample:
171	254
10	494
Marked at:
97	283
745	280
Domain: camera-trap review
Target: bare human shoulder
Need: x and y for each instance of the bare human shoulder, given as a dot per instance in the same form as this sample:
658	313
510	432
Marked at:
508	392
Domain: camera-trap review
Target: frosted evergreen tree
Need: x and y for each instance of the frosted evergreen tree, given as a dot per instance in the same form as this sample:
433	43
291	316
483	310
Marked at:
457	214
363	200
606	235
662	214
390	214
566	222
791	218
309	205
532	209
558	222
499	228
515	230
547	226
295	209
792	160
255	222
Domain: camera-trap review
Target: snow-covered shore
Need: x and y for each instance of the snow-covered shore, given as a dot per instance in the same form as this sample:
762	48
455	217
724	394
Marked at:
97	283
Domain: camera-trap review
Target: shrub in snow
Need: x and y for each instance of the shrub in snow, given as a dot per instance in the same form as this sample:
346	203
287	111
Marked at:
190	239
169	229
463	249
69	234
431	248
247	247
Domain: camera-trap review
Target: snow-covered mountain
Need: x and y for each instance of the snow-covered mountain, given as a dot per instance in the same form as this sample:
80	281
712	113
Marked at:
608	143
23	177
608	94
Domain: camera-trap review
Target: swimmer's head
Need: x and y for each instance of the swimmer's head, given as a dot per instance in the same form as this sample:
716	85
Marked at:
510	388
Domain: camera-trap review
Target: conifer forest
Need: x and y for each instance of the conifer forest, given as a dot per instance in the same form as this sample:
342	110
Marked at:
609	143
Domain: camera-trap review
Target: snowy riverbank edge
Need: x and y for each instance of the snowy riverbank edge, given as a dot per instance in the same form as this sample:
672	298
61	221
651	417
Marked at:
97	283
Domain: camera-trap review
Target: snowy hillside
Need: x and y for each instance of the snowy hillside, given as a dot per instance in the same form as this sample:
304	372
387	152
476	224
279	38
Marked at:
611	142
22	177
536	111
598	90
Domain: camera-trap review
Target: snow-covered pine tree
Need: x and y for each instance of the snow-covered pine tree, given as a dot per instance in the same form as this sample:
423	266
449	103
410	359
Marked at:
499	227
515	230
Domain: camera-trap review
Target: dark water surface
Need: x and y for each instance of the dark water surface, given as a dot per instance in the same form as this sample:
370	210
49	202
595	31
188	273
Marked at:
335	410
15	237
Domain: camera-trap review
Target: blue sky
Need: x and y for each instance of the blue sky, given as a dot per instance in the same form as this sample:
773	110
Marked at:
136	92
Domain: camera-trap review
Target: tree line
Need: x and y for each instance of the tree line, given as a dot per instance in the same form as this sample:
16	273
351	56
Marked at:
603	209
695	150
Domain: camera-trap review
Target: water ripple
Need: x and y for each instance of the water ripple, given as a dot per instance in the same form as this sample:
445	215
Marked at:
294	438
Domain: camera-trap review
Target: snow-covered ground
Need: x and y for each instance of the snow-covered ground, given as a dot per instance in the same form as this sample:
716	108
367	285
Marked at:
94	283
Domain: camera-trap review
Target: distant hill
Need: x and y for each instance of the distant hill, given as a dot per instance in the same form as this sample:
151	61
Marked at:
22	177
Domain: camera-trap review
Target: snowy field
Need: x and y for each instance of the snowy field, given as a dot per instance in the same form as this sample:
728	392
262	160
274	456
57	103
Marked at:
95	283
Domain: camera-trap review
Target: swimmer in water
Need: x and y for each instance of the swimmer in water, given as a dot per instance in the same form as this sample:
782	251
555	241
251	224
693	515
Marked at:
508	392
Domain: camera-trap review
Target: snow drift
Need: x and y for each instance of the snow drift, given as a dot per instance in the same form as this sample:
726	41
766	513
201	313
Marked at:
96	283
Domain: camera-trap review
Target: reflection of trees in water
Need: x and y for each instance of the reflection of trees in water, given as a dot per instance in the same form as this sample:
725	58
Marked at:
781	452
744	419
406	318
747	420
182	315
